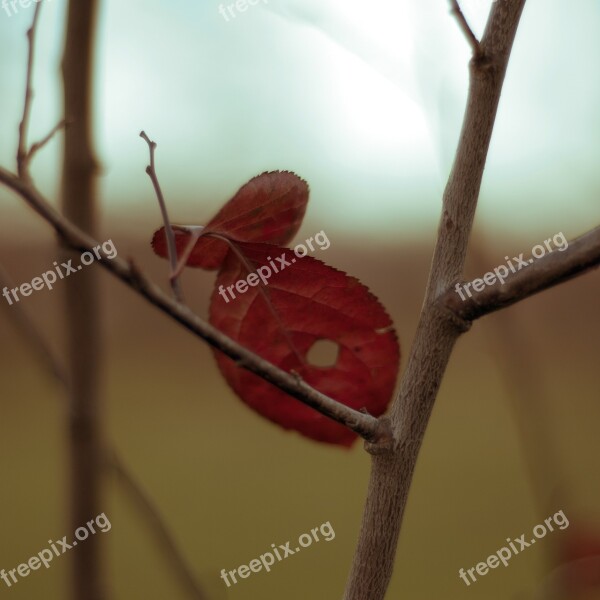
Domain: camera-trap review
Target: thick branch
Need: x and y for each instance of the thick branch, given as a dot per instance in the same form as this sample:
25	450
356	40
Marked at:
81	301
370	428
582	254
437	331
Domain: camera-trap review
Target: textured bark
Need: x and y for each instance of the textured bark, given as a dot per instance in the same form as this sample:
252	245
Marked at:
438	328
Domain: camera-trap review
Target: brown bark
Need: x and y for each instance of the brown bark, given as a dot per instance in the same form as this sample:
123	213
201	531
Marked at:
438	328
82	311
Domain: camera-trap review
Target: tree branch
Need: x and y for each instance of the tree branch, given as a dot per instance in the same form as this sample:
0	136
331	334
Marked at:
395	443
39	145
466	29
367	426
23	156
18	316
437	331
582	254
166	542
114	463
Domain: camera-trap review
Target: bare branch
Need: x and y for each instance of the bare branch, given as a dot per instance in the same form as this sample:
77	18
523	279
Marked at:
131	487
437	331
466	29
18	316
582	254
166	543
367	426
39	145
151	171
512	347
22	154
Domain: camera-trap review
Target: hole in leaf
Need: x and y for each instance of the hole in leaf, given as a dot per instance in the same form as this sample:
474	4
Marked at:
323	353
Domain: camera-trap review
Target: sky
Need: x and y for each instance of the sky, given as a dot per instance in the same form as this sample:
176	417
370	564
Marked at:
362	99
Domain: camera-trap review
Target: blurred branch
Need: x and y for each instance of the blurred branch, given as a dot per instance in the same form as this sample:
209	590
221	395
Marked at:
25	326
34	338
526	397
582	255
132	488
82	304
39	145
165	540
22	154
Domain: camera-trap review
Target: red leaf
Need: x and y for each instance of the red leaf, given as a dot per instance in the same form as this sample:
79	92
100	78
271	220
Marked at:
269	208
311	302
304	303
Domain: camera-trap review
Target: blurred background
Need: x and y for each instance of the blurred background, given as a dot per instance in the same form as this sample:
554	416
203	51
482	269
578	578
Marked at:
364	101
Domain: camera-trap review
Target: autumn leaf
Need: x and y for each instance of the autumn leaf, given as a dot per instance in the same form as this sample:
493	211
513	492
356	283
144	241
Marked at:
269	208
306	302
283	316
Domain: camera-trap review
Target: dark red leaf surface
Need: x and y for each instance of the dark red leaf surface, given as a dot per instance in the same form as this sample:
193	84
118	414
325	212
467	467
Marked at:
308	301
269	208
282	318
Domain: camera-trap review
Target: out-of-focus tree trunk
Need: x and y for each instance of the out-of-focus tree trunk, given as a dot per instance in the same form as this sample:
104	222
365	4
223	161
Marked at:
82	318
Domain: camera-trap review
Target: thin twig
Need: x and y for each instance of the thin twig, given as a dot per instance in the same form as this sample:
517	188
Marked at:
19	317
132	488
194	237
39	145
151	171
466	28
165	540
22	154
